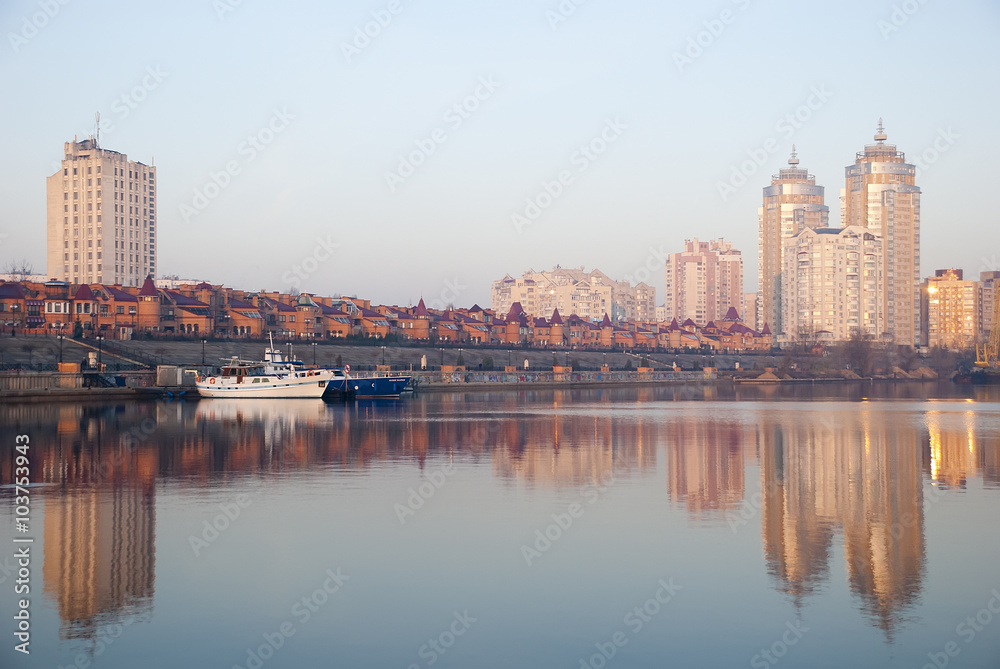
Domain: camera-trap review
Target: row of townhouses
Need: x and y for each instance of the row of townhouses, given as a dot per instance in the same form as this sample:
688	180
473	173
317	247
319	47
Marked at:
206	310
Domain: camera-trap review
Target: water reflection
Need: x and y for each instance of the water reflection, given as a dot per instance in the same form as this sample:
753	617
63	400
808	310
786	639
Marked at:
844	476
858	473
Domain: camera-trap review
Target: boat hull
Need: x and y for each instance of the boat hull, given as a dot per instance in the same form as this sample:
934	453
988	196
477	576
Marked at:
381	386
293	388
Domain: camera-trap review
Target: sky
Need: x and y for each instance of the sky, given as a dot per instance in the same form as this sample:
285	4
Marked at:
399	149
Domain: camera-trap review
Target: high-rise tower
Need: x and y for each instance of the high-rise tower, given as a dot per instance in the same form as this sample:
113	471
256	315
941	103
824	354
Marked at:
881	195
101	211
792	203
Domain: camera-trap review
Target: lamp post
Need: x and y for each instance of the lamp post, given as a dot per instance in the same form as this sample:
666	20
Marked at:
61	337
203	342
508	357
100	339
314	353
442	356
383	356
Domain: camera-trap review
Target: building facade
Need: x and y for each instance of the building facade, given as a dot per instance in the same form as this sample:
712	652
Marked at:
589	295
703	281
101	217
792	203
880	194
831	287
989	285
953	310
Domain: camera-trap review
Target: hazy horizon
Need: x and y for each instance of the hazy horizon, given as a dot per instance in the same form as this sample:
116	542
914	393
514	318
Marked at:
497	100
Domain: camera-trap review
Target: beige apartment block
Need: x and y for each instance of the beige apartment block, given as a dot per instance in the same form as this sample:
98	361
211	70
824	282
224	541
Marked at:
750	311
880	194
589	295
101	217
953	310
703	281
792	203
989	284
832	282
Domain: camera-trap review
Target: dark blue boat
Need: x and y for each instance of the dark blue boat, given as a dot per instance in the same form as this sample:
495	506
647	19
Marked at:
369	386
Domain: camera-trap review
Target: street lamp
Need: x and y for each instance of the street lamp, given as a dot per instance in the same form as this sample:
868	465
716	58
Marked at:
508	357
383	356
203	342
314	353
61	337
100	338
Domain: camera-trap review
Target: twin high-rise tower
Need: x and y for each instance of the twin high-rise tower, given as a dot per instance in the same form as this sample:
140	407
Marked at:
863	276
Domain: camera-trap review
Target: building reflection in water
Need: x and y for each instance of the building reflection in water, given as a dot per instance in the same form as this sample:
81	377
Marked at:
854	475
99	515
852	472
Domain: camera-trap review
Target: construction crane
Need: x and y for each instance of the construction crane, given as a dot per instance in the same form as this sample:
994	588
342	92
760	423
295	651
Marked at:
988	355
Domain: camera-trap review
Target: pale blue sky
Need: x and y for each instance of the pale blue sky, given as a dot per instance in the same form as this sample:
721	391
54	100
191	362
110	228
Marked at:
222	75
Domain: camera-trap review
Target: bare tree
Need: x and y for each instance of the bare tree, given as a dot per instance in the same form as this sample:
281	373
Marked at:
19	269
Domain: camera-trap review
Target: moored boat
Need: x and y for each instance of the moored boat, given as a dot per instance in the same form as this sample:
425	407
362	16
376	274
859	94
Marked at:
275	378
376	385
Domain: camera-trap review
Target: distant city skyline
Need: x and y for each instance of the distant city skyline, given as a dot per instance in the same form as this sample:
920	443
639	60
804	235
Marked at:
410	137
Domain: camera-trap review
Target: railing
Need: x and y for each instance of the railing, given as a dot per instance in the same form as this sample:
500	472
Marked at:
505	378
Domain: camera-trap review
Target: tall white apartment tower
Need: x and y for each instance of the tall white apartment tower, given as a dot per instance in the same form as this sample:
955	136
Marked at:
881	195
792	203
101	212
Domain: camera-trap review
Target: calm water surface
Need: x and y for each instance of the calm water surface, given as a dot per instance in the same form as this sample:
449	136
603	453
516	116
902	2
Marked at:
849	526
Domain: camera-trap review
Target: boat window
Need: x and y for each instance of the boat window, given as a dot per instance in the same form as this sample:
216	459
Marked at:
256	380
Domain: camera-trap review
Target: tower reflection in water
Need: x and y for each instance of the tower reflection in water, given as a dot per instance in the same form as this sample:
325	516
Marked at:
859	473
837	471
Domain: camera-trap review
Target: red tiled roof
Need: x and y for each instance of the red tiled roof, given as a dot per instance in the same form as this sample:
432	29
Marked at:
421	310
148	288
11	290
119	295
556	319
84	294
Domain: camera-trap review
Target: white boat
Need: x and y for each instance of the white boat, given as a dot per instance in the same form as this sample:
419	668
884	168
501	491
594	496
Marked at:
275	377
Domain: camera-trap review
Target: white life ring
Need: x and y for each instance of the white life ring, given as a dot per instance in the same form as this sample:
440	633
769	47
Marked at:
347	369
212	380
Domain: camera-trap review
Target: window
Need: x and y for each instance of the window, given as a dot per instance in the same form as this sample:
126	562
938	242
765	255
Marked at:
120	309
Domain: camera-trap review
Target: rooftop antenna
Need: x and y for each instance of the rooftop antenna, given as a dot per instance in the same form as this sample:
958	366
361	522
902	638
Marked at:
880	135
97	135
793	160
